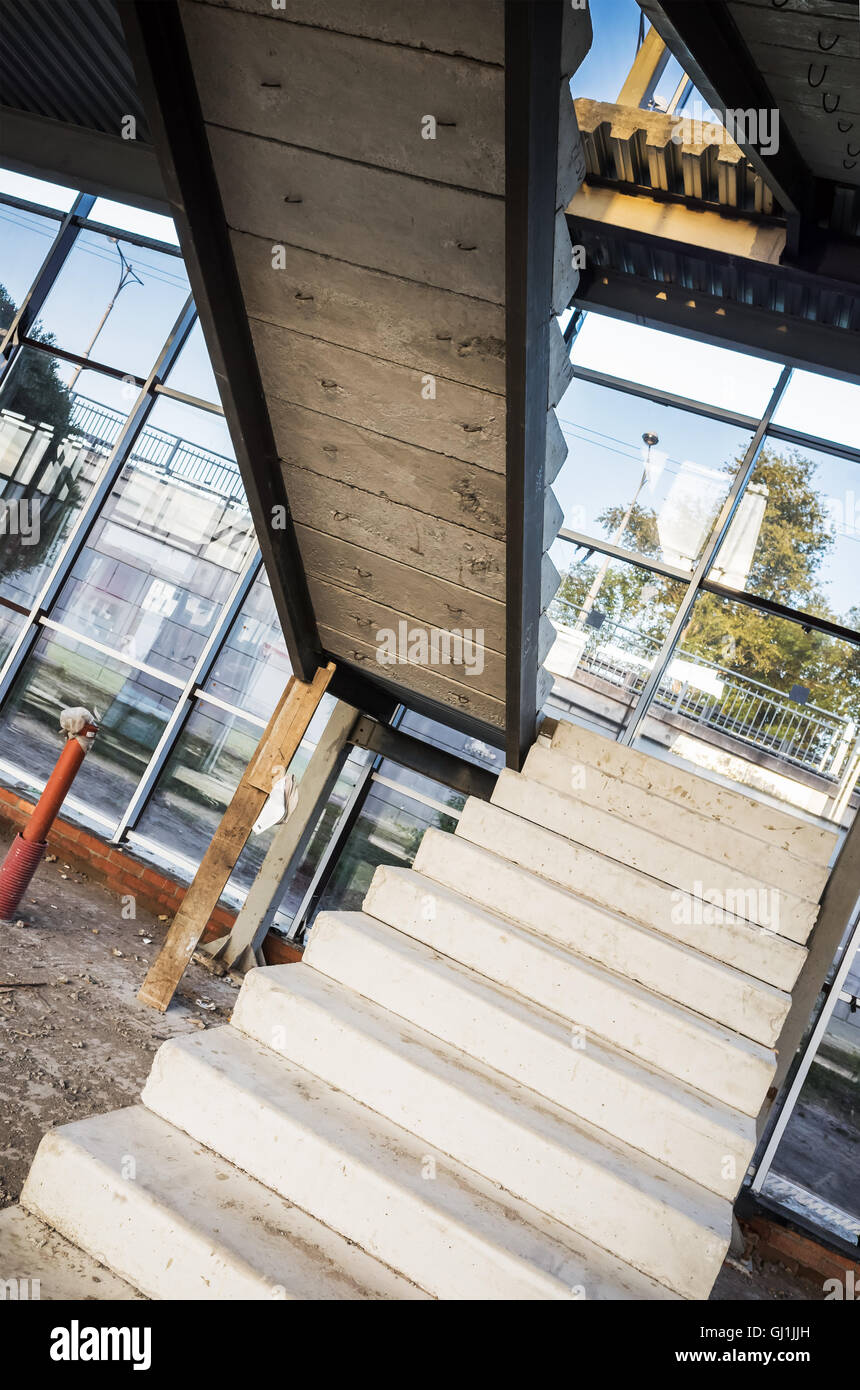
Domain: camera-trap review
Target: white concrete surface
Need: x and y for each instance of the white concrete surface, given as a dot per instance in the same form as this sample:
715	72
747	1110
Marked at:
678	821
618	1197
685	1044
669	968
664	778
755	950
176	1221
653	854
411	1206
42	1265
529	1069
649	1110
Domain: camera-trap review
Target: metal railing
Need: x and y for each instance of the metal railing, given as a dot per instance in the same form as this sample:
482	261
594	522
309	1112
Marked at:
804	735
168	453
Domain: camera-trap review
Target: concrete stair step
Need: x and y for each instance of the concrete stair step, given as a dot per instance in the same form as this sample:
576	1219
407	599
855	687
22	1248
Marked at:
677	821
650	1217
644	1107
664	777
668	967
652	854
452	1232
177	1221
45	1266
611	884
721	1063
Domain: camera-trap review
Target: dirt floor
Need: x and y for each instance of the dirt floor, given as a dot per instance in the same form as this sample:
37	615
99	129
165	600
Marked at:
76	1041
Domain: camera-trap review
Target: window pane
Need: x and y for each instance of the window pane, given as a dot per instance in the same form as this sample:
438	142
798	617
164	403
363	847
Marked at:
796	535
756	699
472	750
253	668
10	625
388	831
130	219
164	553
193	372
132	711
52	448
660	498
714	375
198	781
611	620
822	406
50	195
815	1170
26	240
115	302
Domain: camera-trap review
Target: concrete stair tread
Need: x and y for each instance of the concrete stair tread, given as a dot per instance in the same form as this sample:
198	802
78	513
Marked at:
596	1184
620	1094
32	1251
658	961
178	1221
591	875
455	1234
664	1032
678	821
665	777
652	854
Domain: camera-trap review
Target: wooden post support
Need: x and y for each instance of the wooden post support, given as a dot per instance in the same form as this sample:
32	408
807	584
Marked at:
291	839
279	742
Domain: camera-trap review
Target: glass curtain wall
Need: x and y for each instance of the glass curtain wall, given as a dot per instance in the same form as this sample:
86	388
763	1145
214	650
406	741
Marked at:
709	605
130	579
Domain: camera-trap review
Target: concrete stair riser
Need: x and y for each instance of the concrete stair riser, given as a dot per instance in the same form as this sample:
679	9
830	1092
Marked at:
734	1070
651	854
655	1220
669	968
177	1221
666	778
677	821
589	874
646	1108
398	1198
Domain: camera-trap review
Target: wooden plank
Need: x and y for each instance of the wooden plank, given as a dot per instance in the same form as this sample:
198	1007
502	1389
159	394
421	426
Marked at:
473	28
427	680
450	335
789	28
456	420
445	488
276	80
833	71
279	742
421	596
291	839
474	562
365	620
446	237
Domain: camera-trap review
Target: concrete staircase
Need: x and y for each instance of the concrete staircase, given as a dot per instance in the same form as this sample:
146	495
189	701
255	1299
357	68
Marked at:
529	1069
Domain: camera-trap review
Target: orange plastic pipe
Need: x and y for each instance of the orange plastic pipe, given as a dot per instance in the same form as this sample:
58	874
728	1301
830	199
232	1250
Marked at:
48	806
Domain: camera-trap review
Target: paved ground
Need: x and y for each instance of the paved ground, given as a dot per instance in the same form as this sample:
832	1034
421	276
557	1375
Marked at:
75	1041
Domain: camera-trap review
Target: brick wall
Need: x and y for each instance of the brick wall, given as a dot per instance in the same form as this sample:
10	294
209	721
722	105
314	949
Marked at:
122	873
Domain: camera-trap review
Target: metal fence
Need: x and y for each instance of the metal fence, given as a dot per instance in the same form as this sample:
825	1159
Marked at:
804	735
168	453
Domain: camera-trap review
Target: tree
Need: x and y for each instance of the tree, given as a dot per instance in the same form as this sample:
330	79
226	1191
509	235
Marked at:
794	540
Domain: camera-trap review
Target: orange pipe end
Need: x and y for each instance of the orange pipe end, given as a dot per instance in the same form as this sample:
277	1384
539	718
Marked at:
48	806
